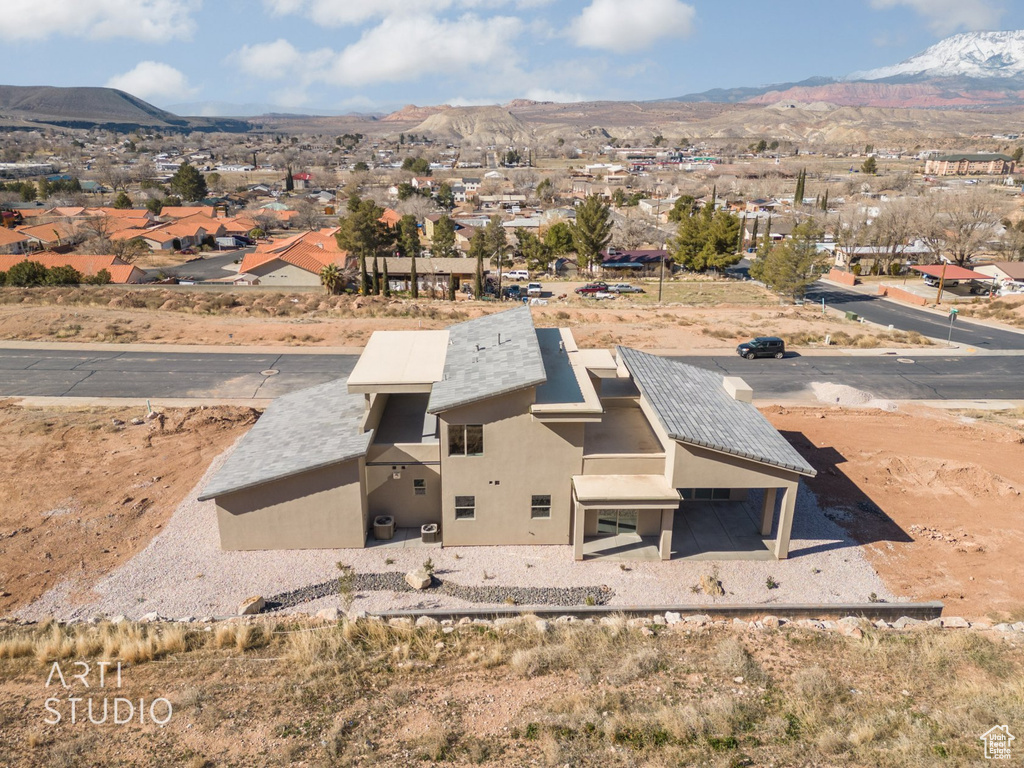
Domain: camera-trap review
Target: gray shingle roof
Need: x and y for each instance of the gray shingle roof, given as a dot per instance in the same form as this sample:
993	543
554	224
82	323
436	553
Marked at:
693	407
300	431
477	366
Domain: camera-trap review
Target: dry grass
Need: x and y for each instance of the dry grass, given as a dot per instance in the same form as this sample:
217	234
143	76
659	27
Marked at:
575	694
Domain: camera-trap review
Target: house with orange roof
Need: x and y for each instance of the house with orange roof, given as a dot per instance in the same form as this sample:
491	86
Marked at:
120	271
181	211
53	234
12	241
390	218
299	263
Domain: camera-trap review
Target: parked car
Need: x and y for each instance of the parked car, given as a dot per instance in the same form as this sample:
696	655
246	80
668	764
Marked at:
592	288
625	288
518	274
762	346
534	290
934	282
512	291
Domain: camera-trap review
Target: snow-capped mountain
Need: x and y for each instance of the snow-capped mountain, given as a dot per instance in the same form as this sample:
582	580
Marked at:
976	55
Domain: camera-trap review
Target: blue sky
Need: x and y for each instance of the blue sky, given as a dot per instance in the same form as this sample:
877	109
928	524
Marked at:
369	55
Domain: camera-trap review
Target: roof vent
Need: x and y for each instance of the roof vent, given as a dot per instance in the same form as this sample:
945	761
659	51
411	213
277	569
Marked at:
738	389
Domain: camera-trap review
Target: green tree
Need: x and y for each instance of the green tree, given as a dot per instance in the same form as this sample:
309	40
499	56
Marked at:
445	196
592	230
497	242
790	266
26	273
869	166
122	202
100	278
658	140
406	190
360	167
45	188
801	187
362	233
63	275
385	280
478	251
1018	153
684	207
545	189
418	165
707	240
442	246
534	251
375	277
332	279
558	238
154	206
188	183
619	197
28	192
761	146
409	246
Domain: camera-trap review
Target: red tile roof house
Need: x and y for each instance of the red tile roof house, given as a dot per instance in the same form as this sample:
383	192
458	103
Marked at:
121	272
12	242
294	261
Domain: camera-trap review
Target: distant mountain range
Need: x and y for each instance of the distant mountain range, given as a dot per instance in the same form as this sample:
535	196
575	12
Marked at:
969	70
28	106
228	109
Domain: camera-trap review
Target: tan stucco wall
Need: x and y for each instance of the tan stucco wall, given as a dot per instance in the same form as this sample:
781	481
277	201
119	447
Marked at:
624	465
397	497
526	458
282	273
701	468
322	509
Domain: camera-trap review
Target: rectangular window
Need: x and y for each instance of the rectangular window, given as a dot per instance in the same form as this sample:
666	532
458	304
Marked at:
419	487
465	439
702	494
540	507
465	507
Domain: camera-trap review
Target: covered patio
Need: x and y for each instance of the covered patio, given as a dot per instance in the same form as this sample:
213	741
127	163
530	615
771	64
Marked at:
627	516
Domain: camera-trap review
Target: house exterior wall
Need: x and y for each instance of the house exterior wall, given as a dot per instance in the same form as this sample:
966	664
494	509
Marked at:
282	273
321	509
388	496
521	458
700	468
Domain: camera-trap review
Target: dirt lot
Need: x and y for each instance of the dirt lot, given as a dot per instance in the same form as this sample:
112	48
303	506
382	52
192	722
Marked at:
703	314
84	489
936	497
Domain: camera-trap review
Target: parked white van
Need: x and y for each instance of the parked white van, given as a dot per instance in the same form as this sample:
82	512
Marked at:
518	274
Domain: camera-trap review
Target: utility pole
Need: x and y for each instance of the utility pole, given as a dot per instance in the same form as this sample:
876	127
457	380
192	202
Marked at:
942	283
661	277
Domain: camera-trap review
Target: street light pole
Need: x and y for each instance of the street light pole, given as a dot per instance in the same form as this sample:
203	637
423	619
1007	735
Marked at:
661	277
952	316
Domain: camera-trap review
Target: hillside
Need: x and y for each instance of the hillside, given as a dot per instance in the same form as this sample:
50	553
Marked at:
95	107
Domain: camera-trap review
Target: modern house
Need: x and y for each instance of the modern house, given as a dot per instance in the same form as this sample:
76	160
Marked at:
506	434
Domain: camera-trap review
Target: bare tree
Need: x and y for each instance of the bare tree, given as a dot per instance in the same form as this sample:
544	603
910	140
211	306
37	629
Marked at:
308	216
893	229
957	226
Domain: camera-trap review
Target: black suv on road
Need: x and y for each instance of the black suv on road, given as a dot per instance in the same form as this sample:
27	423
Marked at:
762	346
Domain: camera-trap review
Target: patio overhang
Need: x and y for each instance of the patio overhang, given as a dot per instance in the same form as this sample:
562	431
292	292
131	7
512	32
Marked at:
624	490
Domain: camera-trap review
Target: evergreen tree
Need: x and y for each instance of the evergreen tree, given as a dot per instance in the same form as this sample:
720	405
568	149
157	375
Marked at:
451	287
497	242
558	238
869	166
386	282
478	251
684	207
443	244
707	240
409	246
753	232
801	184
122	202
791	265
824	202
362	233
592	230
188	183
376	277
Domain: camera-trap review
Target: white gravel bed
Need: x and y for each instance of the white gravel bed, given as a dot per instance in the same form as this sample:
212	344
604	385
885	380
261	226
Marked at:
183	572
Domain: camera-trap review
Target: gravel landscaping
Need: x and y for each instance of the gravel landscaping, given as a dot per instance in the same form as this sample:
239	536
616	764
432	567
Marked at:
183	572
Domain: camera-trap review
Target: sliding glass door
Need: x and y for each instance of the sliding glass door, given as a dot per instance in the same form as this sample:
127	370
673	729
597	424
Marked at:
611	522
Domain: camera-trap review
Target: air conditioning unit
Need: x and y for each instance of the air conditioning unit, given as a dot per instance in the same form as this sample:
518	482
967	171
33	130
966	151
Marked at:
384	528
430	533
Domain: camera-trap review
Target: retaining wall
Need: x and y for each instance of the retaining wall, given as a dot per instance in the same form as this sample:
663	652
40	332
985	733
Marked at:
900	295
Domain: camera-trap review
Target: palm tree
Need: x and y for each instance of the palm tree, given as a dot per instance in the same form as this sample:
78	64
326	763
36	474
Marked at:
332	279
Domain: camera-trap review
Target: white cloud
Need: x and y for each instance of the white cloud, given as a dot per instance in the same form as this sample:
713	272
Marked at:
336	13
409	47
947	16
399	49
269	61
149	20
615	25
153	80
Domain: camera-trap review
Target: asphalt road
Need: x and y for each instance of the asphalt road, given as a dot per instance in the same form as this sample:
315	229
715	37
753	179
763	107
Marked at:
203	268
68	373
907	318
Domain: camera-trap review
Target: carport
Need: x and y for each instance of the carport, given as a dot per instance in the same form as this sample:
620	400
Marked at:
946	272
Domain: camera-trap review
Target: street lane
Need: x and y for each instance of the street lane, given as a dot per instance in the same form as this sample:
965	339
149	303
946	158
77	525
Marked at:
906	318
67	373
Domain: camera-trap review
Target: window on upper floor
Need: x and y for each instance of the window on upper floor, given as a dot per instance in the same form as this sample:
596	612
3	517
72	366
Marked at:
419	487
465	439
